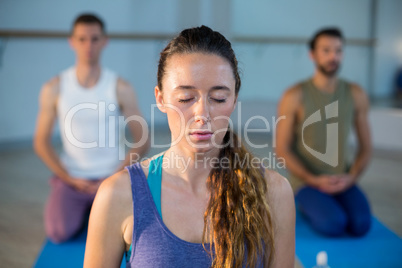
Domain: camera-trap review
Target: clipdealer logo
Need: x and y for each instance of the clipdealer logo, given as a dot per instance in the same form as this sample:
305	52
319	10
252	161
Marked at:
110	132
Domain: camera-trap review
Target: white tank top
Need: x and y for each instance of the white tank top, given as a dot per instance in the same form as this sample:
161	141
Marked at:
88	120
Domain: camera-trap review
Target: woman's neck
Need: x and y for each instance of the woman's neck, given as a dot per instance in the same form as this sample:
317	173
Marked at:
191	168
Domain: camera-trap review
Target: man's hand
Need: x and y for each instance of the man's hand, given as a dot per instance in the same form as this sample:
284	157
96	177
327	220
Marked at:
83	185
345	181
326	183
333	184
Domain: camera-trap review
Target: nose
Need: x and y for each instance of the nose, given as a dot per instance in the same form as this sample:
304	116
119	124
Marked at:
336	55
87	46
91	44
201	111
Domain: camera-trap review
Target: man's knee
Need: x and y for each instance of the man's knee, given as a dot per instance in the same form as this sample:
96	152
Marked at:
334	225
360	225
58	234
59	230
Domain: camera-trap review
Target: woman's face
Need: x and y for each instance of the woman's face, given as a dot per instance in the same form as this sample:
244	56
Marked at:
198	96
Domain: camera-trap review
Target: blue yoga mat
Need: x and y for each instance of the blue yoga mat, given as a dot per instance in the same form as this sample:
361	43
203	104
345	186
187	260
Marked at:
66	255
379	248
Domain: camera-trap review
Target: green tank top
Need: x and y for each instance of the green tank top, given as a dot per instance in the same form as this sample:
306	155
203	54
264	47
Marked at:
321	137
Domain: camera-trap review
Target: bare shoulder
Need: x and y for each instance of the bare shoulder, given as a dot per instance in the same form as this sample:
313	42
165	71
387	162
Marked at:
357	90
279	190
51	89
52	85
282	209
294	93
123	86
360	97
126	96
49	94
290	100
116	189
111	221
113	206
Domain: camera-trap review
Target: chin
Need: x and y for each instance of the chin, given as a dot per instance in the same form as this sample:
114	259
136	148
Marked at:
330	73
204	148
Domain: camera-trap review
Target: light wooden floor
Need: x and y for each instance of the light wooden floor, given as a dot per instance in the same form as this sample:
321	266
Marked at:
24	189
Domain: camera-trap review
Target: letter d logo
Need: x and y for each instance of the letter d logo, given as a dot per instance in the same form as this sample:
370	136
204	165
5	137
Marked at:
331	151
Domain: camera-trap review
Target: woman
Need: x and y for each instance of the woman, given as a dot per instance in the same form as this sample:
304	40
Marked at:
202	202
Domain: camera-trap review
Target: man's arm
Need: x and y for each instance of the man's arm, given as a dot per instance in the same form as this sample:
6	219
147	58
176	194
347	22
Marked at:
287	108
42	138
139	132
362	129
361	106
44	126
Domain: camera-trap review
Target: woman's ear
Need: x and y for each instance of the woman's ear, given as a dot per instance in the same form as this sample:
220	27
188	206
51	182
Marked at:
159	100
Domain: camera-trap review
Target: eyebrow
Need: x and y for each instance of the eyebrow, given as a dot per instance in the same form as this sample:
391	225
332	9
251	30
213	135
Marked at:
212	88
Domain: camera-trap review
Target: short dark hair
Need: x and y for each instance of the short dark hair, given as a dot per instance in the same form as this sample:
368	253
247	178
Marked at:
88	18
333	31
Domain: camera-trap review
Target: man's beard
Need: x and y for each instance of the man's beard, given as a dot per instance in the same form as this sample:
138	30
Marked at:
329	72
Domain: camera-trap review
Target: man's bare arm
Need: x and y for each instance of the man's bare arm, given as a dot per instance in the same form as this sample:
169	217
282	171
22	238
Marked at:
129	107
44	127
362	129
287	107
43	134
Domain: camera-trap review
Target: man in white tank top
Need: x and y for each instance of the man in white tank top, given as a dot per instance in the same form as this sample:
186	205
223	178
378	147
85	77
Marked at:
88	101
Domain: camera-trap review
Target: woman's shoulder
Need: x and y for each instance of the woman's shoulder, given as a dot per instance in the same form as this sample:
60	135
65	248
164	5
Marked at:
116	188
113	202
281	200
118	185
279	188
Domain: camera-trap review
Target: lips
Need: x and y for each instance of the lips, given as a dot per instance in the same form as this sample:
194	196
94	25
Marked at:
201	134
333	64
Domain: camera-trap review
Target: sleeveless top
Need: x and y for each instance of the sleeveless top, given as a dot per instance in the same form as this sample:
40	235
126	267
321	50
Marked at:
321	137
88	121
153	244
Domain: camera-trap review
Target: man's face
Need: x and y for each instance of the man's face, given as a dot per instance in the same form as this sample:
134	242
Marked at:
87	40
327	54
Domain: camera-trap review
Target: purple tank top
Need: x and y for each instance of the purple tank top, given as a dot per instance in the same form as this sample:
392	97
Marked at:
154	245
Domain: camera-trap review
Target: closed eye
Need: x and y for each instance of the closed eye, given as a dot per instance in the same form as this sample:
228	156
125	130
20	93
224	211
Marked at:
185	100
220	100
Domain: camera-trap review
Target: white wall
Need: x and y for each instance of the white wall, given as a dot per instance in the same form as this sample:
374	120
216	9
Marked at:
120	15
388	52
299	18
27	63
271	68
268	69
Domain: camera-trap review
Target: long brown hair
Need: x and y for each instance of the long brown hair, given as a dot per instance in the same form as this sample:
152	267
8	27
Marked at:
237	221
